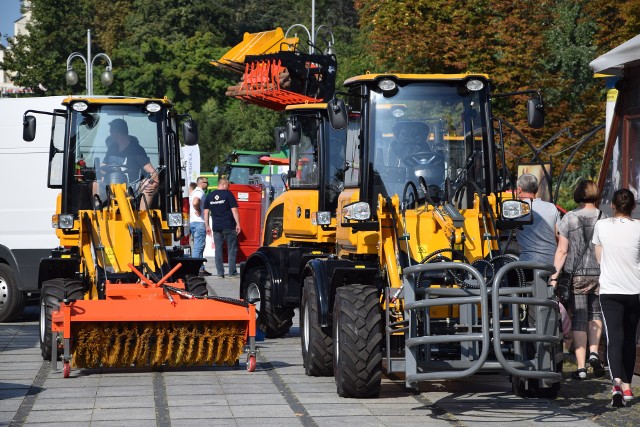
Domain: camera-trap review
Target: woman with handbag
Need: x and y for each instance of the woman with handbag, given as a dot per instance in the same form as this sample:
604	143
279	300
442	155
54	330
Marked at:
617	248
576	256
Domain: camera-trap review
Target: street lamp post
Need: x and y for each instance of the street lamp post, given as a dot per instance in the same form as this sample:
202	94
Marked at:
72	77
312	37
313	34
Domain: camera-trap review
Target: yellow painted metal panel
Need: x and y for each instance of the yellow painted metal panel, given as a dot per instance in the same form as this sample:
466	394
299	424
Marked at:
261	43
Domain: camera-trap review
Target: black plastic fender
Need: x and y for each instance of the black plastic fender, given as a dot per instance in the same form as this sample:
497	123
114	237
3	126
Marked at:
262	259
318	268
58	268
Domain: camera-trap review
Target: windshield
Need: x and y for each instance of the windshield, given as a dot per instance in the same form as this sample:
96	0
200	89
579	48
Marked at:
242	174
319	165
433	130
111	144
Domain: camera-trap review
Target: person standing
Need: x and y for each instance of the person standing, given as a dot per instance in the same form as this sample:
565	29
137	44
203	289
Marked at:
576	255
538	240
196	220
221	206
617	249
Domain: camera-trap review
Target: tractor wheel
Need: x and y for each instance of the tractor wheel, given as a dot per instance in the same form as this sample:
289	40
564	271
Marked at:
196	285
274	321
11	298
53	291
317	342
357	341
519	387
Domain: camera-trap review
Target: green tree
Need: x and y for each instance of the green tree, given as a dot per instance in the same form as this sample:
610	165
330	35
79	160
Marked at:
38	59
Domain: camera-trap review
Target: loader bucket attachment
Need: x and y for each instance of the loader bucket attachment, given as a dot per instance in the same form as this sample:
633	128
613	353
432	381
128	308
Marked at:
276	75
150	325
255	44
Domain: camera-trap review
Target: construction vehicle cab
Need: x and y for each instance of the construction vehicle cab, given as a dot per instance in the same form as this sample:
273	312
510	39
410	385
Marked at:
418	272
115	292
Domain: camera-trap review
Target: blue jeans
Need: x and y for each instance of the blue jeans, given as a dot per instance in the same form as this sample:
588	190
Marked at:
199	233
231	237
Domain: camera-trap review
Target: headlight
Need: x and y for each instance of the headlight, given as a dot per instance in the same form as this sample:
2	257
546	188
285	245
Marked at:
323	218
359	211
174	219
65	221
152	107
475	85
513	209
386	85
79	106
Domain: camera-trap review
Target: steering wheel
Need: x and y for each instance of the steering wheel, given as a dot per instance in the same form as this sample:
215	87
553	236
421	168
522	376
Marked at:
114	168
424	158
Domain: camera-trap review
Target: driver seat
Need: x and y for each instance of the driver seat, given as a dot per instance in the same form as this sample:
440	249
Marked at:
409	137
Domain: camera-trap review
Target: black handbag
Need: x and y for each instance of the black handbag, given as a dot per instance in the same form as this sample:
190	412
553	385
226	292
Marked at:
563	287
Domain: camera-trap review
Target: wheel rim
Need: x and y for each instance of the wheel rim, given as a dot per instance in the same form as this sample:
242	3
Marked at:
305	326
4	292
43	323
253	294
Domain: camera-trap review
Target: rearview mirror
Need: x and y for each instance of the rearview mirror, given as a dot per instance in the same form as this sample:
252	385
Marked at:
29	128
293	133
535	113
337	112
190	132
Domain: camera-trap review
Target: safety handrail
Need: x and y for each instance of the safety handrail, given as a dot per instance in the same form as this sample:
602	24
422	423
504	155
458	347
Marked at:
466	296
505	296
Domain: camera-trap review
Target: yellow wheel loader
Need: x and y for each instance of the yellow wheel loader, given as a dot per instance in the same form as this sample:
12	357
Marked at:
418	284
388	236
300	224
115	292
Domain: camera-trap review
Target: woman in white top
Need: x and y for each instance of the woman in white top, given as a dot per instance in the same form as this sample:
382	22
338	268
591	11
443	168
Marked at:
617	248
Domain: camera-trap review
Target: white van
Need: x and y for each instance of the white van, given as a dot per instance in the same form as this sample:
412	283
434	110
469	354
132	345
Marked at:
26	203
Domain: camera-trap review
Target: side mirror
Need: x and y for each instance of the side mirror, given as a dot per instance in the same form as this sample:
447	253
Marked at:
279	135
337	112
29	128
535	112
190	132
293	133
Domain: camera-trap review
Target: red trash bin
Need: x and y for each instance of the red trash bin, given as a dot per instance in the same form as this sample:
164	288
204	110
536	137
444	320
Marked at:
249	199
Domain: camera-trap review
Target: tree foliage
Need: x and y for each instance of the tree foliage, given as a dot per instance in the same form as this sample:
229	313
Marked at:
522	45
164	48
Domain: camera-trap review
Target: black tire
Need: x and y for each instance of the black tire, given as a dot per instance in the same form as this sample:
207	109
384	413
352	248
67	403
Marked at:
274	321
11	298
196	285
317	342
546	393
518	387
54	291
357	341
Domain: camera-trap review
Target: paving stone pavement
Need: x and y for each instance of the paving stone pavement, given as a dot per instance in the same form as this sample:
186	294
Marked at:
278	393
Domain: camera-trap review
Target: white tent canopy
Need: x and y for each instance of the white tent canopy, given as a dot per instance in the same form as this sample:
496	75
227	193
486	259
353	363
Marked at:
613	61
